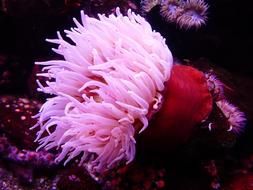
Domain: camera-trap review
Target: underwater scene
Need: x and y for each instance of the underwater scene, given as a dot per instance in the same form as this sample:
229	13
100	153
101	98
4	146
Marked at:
126	95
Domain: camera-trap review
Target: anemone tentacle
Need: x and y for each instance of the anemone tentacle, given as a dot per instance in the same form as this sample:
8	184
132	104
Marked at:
110	79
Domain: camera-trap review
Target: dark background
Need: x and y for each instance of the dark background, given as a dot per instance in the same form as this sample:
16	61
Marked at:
226	39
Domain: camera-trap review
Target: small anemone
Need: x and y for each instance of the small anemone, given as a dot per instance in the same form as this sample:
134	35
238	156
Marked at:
236	118
147	5
194	14
171	10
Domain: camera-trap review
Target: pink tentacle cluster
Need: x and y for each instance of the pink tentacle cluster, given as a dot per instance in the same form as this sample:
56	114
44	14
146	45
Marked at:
110	80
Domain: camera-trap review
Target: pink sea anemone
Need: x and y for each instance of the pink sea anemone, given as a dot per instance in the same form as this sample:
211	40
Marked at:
106	87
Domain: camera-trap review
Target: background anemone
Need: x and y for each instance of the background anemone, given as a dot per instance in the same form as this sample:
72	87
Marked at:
147	5
171	10
185	13
194	14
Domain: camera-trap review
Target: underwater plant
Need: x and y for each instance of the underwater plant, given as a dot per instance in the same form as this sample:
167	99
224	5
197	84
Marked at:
105	90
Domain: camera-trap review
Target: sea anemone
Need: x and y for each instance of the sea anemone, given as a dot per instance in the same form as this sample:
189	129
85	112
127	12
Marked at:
194	14
215	86
147	5
171	10
186	103
236	118
104	90
187	14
